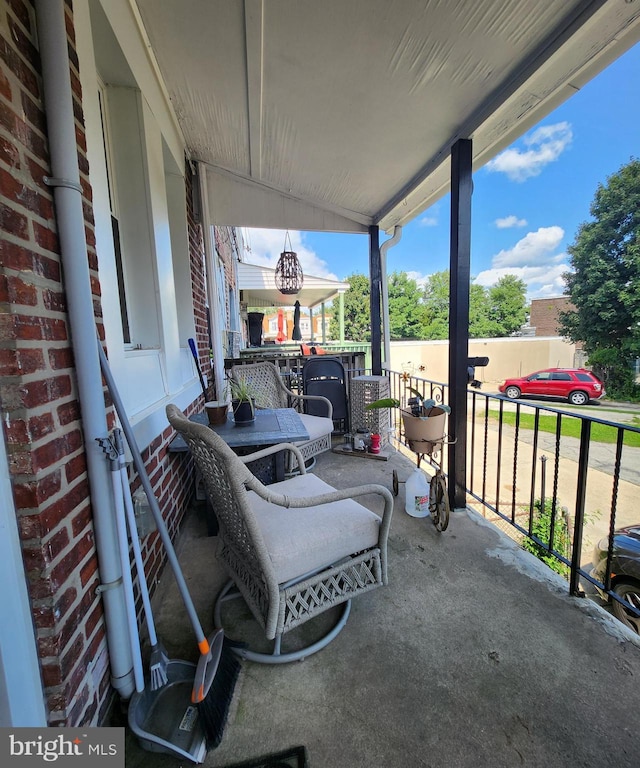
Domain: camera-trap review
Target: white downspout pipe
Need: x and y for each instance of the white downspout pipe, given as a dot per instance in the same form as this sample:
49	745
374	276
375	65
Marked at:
397	234
65	181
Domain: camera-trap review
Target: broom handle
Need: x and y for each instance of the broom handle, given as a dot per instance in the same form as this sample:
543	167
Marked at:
194	352
135	541
153	502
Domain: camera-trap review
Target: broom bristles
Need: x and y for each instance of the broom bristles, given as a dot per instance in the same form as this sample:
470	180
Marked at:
214	683
158	667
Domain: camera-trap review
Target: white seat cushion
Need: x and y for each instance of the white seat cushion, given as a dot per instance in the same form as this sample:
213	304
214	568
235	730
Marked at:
316	426
300	540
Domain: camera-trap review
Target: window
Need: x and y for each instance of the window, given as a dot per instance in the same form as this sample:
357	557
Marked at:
115	224
561	377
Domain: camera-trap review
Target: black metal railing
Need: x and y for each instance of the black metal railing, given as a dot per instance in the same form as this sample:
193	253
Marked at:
544	475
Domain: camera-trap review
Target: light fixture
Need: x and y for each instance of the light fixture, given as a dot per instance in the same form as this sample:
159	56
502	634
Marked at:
289	277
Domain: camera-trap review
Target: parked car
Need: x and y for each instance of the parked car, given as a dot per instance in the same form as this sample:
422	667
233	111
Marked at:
577	385
625	572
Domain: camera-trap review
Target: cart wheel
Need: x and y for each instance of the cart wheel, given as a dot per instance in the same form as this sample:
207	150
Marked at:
439	502
395	482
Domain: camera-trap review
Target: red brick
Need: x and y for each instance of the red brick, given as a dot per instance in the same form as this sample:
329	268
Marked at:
16	362
68	412
46	238
61	358
22	259
55	513
54	300
35	116
88	571
36	328
36	393
24	196
5	86
40	426
43	617
61	572
16	432
21	292
18	67
94	617
56	450
75	467
13	223
31	494
81	521
8	151
51	675
55	545
34	559
21	13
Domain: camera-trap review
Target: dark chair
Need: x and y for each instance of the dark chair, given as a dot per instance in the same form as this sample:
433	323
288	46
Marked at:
325	376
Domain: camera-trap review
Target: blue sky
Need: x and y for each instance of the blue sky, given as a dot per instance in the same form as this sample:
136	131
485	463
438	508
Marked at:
527	204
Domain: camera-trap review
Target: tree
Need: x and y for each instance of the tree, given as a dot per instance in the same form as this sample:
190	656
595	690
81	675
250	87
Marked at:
604	285
436	303
494	312
406	310
357	323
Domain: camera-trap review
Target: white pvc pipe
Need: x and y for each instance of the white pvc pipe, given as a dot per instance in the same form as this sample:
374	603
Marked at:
397	234
65	180
127	580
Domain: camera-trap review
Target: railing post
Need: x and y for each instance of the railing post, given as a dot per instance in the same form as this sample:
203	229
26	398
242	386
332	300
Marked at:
375	278
459	283
581	492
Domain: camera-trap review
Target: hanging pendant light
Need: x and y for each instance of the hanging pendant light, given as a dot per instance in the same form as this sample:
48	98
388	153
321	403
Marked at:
289	277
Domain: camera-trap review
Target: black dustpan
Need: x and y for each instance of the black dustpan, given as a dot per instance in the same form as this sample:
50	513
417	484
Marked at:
165	720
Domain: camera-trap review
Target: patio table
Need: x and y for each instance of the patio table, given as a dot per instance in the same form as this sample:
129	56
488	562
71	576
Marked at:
271	426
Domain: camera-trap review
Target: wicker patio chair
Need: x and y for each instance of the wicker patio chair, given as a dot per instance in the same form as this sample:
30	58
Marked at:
270	392
293	549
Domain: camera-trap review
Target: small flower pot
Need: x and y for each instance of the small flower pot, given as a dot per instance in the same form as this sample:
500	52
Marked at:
244	412
425	434
216	412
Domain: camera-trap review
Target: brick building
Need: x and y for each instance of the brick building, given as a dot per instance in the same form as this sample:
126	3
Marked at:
544	314
154	276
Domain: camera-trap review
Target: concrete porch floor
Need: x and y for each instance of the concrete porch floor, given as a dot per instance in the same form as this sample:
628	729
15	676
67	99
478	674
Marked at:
474	655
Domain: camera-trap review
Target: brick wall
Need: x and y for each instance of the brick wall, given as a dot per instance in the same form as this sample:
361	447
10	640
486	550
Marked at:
543	315
38	394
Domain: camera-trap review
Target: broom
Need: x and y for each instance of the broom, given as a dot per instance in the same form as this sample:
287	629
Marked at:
158	658
211	693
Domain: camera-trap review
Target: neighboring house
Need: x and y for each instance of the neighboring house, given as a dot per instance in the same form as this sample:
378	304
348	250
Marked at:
156	276
543	315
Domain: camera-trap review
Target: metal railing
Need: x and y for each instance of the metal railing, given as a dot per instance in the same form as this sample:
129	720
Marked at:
559	482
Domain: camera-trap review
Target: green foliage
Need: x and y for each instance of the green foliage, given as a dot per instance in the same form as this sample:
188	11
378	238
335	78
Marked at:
604	285
493	312
406	311
424	314
357	323
541	528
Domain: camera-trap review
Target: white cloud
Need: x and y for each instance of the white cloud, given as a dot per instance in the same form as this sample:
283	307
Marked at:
534	248
428	221
543	281
419	278
543	146
535	260
510	221
264	247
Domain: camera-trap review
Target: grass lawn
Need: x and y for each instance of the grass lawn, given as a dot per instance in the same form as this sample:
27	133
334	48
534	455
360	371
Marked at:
600	433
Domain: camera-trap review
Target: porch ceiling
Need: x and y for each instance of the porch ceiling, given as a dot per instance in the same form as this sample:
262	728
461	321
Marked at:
337	115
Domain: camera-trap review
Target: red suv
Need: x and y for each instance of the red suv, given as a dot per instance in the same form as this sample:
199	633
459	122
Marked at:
576	384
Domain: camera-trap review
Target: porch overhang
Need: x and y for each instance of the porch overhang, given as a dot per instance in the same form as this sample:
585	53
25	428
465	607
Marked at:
338	116
257	287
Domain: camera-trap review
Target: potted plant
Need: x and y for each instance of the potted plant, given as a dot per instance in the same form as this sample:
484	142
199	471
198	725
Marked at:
242	402
424	420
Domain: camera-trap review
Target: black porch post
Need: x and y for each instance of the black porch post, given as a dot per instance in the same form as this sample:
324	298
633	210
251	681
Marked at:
375	277
459	283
